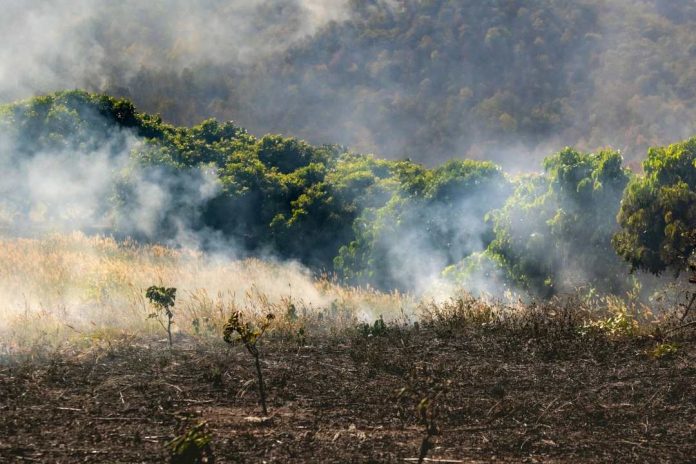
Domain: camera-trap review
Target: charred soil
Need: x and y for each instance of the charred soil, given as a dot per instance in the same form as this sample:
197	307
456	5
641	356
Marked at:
511	396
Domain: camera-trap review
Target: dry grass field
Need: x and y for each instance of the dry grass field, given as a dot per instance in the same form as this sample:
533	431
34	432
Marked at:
86	376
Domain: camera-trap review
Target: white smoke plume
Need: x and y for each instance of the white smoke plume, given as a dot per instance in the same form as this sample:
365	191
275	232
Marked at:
51	45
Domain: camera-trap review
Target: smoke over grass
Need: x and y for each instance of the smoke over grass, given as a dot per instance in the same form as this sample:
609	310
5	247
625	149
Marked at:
71	286
76	161
503	80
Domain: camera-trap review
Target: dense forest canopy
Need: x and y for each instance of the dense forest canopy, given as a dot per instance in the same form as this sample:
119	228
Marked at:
431	80
80	161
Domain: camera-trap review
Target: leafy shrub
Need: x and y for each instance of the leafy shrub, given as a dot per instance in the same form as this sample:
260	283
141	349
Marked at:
664	350
658	211
193	447
377	329
620	324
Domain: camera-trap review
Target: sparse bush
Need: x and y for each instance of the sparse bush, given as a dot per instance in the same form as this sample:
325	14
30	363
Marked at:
203	326
301	337
249	335
664	350
377	329
193	447
162	299
458	313
429	395
291	312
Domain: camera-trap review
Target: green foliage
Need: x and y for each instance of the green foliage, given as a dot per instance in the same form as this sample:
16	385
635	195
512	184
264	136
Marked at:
377	329
555	231
658	212
434	219
193	447
163	299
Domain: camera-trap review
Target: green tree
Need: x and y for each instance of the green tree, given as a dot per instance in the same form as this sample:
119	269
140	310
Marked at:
658	212
163	299
554	233
434	219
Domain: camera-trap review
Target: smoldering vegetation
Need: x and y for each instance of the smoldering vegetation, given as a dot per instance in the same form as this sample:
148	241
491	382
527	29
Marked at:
76	161
430	80
63	287
397	306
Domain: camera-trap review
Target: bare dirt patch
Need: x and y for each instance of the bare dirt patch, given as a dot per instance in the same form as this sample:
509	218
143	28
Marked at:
508	398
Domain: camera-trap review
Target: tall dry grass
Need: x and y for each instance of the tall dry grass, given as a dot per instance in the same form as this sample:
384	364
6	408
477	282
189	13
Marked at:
73	285
68	287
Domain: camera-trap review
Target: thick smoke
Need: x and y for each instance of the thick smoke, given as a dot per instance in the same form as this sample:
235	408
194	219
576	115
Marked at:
59	44
414	246
76	188
501	80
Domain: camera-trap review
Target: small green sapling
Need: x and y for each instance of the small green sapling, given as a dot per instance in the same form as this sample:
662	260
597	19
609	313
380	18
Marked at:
163	300
249	334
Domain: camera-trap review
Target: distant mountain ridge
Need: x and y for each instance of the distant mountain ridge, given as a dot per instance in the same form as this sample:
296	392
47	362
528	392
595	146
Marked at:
440	79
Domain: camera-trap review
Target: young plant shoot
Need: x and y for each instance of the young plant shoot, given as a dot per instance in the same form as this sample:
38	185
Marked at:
162	299
249	334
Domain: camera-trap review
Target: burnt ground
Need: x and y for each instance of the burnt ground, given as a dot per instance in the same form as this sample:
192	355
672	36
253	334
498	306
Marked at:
529	396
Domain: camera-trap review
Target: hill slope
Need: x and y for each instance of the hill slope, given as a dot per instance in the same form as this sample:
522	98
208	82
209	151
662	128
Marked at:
432	80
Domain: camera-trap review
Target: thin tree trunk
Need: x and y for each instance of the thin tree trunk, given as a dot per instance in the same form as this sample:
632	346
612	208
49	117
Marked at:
426	444
688	308
169	331
262	390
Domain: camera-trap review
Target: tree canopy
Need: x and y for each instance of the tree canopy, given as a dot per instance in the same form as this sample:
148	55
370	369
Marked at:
554	233
658	211
80	160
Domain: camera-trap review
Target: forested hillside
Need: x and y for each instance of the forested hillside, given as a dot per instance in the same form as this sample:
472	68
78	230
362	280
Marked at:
500	80
80	161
